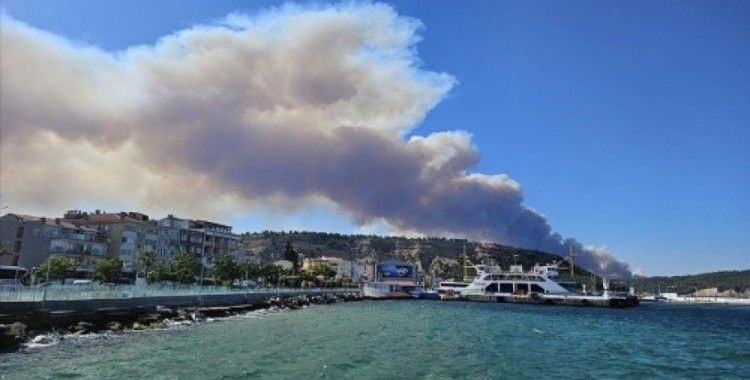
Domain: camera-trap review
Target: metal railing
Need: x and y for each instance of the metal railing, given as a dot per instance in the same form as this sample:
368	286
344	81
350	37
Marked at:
97	291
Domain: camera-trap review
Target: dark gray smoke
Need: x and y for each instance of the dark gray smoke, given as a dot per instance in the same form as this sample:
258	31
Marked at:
294	106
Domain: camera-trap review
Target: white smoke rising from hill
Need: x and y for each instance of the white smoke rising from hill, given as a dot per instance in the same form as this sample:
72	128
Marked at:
296	105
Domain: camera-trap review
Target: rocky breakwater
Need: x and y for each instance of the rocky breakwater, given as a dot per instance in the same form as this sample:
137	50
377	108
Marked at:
13	336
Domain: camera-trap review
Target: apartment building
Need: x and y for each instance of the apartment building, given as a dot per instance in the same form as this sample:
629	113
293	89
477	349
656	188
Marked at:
218	240
206	240
126	232
30	240
187	239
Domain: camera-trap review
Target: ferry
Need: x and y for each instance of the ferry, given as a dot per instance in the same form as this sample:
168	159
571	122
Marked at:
540	285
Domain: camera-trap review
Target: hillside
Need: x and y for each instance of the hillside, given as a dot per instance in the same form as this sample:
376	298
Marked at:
270	245
738	280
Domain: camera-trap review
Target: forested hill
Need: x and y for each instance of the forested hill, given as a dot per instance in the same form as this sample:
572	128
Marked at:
270	245
738	280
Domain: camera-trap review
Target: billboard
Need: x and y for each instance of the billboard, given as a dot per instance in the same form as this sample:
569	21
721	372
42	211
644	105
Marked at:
396	271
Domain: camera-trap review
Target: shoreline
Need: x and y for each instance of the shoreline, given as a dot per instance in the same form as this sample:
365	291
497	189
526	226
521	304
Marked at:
33	327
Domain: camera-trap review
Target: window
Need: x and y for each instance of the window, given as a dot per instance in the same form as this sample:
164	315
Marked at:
491	288
522	288
536	288
506	287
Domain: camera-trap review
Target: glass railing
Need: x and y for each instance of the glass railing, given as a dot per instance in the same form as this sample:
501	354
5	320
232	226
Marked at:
98	291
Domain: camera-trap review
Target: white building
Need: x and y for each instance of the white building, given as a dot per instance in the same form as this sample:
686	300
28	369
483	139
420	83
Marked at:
342	267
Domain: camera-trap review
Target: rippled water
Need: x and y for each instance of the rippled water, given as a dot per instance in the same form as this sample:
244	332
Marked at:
417	339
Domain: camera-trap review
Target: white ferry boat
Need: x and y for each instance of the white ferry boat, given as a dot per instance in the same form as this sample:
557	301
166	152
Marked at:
540	285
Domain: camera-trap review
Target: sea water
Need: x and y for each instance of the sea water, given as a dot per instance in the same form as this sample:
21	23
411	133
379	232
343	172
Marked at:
415	339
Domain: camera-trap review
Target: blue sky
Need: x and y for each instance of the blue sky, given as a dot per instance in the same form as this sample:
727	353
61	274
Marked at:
627	123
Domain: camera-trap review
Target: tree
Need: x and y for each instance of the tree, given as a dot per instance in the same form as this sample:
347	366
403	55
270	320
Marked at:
271	273
226	270
323	270
55	268
250	270
4	250
146	260
445	268
158	273
108	271
291	255
186	267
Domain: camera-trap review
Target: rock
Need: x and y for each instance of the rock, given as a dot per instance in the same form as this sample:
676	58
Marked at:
83	327
157	325
149	318
12	335
182	315
197	315
114	326
165	312
139	326
42	339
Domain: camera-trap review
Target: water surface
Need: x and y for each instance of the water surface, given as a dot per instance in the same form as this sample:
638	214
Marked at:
417	339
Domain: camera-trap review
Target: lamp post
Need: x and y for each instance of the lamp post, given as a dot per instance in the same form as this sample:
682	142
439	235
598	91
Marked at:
203	267
44	293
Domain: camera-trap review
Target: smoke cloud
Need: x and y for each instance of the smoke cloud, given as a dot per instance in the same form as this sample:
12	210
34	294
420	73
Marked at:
291	107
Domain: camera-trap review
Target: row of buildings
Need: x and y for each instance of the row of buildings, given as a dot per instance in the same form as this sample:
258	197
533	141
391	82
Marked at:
89	237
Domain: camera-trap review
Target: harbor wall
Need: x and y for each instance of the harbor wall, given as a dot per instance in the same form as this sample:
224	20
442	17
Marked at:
25	311
19	321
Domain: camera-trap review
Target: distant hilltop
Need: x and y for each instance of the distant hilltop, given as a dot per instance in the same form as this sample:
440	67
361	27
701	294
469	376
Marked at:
422	251
726	283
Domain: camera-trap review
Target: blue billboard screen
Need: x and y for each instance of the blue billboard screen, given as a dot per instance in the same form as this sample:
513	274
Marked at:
396	271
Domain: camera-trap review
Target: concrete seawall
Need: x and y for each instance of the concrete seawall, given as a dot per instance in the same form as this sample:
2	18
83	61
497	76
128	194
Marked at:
46	314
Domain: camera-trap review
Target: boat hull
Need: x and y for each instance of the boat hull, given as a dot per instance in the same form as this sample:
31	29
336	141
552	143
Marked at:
561	300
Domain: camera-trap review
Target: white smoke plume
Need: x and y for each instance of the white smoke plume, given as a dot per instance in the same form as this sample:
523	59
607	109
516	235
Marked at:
294	106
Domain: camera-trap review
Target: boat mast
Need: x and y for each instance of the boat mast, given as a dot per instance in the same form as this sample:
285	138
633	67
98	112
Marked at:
572	260
465	260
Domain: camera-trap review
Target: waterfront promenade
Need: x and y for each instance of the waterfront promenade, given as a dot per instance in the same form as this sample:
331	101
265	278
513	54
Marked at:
98	291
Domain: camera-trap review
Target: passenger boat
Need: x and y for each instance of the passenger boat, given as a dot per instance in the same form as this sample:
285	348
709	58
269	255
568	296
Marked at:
540	285
451	290
424	294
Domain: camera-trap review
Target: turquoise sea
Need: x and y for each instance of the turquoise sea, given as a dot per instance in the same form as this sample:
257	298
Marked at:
416	339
